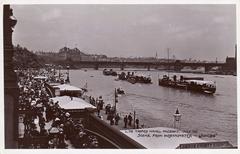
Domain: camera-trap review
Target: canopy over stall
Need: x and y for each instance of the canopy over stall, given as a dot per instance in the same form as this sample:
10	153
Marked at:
71	103
40	77
66	89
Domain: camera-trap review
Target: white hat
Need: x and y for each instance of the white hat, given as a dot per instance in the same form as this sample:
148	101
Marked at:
67	114
60	130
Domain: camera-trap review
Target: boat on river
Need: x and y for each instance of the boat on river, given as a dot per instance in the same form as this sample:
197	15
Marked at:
122	76
120	91
109	72
196	84
133	78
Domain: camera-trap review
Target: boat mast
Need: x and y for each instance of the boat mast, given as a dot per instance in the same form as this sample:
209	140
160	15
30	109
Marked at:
168	61
85	85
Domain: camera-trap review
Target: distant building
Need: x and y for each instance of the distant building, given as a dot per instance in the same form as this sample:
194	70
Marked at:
231	63
66	53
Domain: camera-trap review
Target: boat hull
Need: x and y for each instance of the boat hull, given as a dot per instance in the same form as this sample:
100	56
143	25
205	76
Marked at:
187	86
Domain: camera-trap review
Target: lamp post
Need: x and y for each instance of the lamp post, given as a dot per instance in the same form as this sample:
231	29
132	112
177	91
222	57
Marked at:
177	119
68	80
115	100
59	74
134	119
134	116
54	70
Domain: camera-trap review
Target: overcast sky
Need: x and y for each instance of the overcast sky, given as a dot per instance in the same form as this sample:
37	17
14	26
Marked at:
201	32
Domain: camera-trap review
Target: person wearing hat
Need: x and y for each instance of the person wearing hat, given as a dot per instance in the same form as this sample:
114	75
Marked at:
100	102
137	123
117	118
61	125
68	127
67	115
107	108
50	144
125	121
61	138
56	122
130	119
55	141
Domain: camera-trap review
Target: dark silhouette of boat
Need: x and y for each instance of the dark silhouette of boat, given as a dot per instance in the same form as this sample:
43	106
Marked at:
122	76
120	91
109	72
196	84
132	78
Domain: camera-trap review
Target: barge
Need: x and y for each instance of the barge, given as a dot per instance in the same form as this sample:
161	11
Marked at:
133	78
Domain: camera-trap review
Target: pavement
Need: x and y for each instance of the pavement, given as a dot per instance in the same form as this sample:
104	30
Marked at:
120	125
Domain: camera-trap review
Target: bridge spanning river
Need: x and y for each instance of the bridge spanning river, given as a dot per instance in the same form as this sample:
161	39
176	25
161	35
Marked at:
176	66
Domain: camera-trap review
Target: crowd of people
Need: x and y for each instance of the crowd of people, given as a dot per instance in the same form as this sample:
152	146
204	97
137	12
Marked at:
128	119
46	125
112	116
110	110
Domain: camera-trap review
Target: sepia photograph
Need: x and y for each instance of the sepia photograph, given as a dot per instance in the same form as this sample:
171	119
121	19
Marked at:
120	76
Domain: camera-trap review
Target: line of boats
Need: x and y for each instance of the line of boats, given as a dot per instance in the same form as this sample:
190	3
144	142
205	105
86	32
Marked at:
196	84
130	76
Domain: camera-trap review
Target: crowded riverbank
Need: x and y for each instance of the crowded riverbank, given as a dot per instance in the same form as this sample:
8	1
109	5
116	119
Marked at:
46	121
41	117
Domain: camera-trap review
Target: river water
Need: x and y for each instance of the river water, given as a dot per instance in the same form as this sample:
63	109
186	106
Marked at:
155	105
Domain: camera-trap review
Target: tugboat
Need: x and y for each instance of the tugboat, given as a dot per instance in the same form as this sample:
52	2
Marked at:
109	72
193	84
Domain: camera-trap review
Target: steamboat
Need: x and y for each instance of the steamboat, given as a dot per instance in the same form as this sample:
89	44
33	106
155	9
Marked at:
196	84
